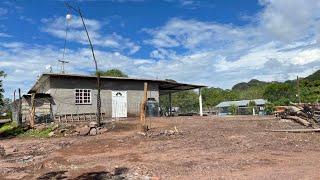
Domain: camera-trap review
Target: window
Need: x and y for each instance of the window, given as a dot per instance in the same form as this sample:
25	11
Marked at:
83	96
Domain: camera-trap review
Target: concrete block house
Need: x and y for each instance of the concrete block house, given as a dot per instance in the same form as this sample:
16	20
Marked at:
71	97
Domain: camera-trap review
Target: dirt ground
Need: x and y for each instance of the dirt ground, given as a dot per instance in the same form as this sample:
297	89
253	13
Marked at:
208	147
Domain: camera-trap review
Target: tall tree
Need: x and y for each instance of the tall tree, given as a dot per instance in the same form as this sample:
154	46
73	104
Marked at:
113	73
2	75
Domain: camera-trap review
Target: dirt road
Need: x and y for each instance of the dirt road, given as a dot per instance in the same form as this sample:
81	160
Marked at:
205	148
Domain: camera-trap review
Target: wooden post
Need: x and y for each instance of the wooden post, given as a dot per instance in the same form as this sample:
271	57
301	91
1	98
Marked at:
143	108
15	106
20	108
33	109
170	105
200	102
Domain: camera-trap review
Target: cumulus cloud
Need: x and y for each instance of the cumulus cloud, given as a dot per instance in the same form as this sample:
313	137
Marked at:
286	33
290	20
187	50
57	27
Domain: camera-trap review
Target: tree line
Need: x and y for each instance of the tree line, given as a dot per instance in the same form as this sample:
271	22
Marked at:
277	93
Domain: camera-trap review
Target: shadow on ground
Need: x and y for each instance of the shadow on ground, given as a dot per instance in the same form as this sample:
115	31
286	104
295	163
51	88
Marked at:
99	175
53	175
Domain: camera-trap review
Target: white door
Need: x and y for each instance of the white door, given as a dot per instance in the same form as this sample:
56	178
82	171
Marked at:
119	104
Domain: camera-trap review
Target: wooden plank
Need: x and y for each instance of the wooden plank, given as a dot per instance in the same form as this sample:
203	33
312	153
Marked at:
33	109
299	120
296	130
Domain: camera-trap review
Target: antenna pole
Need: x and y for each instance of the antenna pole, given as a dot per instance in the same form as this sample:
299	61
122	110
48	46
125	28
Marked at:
62	65
77	10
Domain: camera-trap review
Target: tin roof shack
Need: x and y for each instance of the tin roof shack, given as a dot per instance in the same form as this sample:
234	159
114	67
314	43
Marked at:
73	97
242	107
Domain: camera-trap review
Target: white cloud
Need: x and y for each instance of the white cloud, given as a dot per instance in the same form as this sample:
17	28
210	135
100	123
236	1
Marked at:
57	28
185	50
4	35
290	20
285	32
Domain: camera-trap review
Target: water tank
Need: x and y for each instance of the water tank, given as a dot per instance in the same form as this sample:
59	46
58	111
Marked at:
152	108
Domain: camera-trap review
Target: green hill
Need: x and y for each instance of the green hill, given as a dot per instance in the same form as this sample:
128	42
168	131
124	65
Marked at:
277	93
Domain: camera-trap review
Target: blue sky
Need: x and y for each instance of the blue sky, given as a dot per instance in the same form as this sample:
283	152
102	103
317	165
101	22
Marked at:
215	43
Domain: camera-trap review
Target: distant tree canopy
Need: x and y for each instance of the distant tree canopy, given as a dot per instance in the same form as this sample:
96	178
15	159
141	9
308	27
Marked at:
277	93
113	73
2	75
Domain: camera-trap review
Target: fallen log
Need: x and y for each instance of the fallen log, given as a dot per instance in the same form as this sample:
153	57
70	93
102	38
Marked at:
299	120
296	130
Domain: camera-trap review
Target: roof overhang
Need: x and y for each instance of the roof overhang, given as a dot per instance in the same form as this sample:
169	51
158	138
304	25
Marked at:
165	86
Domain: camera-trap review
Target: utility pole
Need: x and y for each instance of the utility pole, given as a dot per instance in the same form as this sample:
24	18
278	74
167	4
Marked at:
62	65
77	10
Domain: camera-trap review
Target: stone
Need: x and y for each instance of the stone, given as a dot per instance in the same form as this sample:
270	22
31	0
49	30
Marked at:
26	158
102	130
2	152
41	127
63	130
51	134
54	127
93	124
83	130
93	132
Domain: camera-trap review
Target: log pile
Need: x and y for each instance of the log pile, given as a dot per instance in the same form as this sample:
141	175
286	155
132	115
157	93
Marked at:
304	114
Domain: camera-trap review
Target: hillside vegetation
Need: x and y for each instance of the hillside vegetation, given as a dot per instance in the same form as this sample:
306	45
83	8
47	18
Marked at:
277	93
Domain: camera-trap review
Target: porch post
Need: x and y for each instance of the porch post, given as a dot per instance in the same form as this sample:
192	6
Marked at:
170	105
200	102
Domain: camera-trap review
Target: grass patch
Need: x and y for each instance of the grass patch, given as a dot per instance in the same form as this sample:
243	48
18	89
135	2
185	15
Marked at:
37	133
12	129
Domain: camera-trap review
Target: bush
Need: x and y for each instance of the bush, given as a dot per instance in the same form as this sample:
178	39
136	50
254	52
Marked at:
233	109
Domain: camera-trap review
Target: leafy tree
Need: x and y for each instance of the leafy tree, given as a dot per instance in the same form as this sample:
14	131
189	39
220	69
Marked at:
269	108
280	93
2	75
310	90
113	73
233	109
251	106
187	101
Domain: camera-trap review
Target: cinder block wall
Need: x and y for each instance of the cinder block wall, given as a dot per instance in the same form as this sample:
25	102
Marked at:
62	92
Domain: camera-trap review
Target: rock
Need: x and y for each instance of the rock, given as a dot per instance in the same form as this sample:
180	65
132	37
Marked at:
64	144
93	132
93	124
141	133
54	127
41	127
26	158
2	152
51	134
102	130
63	130
83	130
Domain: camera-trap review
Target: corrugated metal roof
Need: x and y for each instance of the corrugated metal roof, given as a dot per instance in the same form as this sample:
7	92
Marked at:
241	103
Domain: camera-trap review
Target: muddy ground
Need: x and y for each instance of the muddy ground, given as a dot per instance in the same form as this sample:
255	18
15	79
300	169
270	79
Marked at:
203	148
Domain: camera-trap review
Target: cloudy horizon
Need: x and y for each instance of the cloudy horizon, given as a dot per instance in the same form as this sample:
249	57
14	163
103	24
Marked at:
214	43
